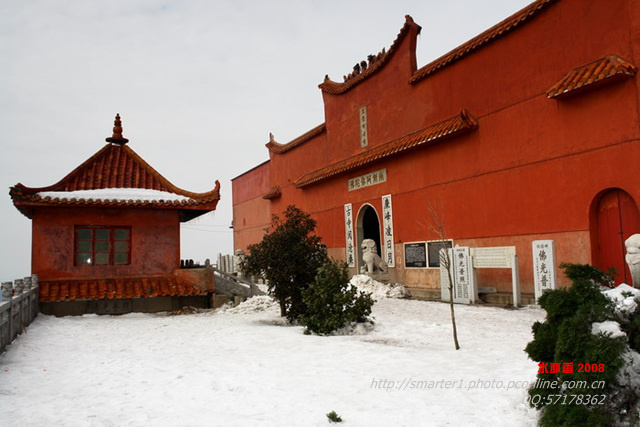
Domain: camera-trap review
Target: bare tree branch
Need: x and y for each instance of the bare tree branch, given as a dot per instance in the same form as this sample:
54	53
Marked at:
436	225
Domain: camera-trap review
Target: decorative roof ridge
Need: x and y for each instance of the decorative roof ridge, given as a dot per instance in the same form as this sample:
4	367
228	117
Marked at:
117	137
277	148
374	63
453	126
609	68
500	29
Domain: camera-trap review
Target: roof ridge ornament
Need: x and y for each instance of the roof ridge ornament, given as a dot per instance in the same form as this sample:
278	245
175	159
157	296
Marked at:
117	138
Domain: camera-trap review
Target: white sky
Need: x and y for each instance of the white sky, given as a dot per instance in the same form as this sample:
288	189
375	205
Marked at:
199	85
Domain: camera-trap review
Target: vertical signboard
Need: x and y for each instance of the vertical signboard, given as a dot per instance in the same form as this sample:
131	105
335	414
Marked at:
462	273
387	226
348	227
364	138
544	266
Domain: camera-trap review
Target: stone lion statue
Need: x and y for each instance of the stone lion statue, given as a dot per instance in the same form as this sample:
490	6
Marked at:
633	258
372	261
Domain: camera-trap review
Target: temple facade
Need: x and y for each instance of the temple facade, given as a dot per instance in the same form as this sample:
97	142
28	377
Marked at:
110	231
529	131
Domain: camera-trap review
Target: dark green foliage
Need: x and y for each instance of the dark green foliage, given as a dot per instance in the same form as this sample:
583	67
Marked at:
565	336
332	302
631	325
333	417
288	258
588	272
561	416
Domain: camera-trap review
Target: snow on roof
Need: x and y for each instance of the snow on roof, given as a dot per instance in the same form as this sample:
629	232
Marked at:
116	194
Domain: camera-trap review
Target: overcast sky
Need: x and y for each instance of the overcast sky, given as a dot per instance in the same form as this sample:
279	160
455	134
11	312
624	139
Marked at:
199	85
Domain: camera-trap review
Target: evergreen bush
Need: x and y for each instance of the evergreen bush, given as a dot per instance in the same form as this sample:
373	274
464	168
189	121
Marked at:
332	302
288	258
567	397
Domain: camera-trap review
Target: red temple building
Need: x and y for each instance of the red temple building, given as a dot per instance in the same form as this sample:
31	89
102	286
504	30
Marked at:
106	238
529	131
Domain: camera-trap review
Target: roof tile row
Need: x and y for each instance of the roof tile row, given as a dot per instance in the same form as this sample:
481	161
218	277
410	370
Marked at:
276	147
97	289
608	69
493	33
453	126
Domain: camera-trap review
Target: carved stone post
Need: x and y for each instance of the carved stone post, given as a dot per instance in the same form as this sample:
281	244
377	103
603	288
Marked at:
7	290
18	286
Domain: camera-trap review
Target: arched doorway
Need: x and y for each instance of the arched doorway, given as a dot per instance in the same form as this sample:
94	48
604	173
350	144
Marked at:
615	218
367	227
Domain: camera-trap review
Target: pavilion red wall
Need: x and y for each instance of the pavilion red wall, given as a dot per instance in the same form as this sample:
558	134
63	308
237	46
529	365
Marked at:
155	241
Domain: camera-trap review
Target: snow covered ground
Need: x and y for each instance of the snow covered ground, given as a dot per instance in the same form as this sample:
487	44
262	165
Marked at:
243	366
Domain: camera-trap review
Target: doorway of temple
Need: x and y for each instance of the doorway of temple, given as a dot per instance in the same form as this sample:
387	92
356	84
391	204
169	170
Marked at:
616	217
367	227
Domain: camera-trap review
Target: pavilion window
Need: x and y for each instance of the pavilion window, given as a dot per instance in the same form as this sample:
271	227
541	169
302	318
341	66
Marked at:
102	245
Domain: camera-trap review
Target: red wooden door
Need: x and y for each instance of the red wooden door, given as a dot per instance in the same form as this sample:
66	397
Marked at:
617	218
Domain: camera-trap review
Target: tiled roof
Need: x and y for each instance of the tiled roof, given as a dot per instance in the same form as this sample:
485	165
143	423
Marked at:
273	193
115	166
453	126
516	20
604	70
117	288
367	68
276	147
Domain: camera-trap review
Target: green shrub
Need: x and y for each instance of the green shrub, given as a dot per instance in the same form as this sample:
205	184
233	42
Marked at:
588	272
566	337
332	302
288	258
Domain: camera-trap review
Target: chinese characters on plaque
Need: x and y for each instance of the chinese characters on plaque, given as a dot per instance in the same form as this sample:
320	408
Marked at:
544	266
415	255
387	226
348	226
372	178
462	274
364	139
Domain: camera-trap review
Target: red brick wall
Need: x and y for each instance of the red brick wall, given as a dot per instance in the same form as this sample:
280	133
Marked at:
531	170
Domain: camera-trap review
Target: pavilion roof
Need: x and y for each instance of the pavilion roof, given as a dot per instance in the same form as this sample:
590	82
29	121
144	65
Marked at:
116	176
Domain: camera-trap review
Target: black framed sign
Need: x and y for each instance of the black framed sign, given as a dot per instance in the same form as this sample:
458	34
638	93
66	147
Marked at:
415	255
434	247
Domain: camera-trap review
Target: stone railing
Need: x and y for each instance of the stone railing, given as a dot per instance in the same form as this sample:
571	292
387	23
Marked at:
18	308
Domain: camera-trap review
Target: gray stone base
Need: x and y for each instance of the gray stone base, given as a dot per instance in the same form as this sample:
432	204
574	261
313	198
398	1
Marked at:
494	298
123	306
